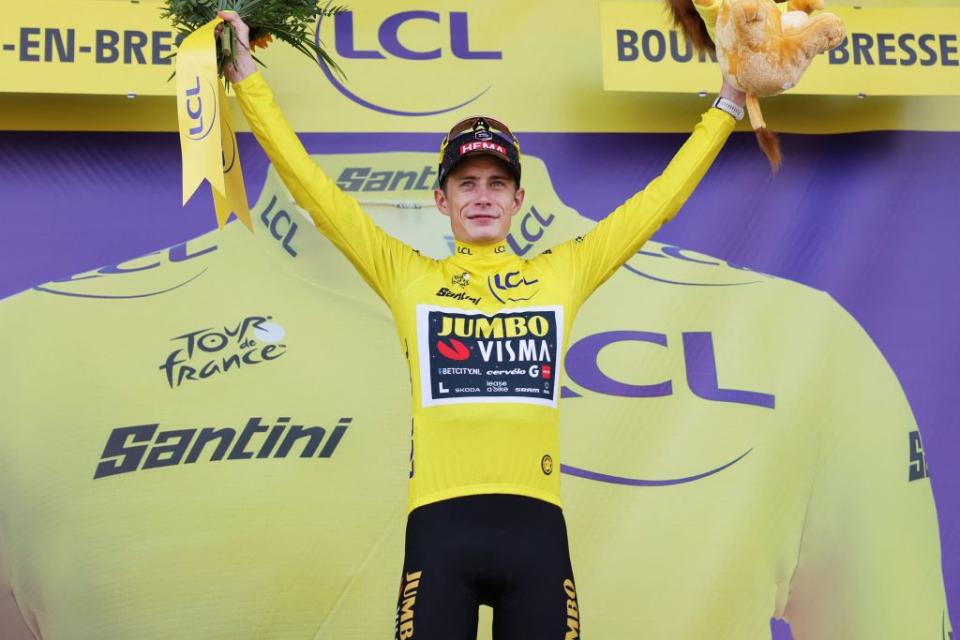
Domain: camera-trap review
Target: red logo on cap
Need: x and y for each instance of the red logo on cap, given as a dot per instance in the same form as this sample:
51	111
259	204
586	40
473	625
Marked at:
486	146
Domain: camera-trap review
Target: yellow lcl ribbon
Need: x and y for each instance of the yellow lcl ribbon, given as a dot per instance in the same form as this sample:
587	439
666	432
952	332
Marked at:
208	143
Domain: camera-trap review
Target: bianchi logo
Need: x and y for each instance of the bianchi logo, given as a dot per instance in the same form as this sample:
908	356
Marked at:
205	353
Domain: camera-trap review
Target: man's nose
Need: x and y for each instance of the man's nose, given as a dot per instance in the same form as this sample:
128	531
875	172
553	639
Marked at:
483	194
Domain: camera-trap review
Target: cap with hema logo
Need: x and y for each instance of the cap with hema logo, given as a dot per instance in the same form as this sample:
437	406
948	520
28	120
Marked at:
478	135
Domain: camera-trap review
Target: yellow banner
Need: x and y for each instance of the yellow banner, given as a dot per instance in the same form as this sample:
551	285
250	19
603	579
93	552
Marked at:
887	52
207	141
420	65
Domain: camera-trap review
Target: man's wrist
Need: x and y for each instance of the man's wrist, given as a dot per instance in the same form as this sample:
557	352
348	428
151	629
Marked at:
243	68
733	94
729	106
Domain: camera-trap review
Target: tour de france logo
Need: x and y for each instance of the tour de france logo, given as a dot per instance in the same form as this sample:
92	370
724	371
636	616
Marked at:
214	351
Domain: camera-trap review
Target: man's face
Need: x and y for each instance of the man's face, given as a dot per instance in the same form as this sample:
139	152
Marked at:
480	197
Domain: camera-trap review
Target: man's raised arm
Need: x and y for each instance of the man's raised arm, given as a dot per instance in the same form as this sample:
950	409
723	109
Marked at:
616	238
381	259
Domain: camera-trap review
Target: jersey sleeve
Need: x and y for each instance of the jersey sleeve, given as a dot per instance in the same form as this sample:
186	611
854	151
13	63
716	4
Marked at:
383	261
869	561
592	258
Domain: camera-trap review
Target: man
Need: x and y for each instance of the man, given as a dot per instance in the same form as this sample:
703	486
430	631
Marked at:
484	333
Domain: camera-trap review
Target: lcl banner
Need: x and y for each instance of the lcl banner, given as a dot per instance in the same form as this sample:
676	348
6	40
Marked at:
905	51
416	65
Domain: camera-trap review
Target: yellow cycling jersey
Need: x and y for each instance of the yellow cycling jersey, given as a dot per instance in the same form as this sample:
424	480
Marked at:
209	442
483	331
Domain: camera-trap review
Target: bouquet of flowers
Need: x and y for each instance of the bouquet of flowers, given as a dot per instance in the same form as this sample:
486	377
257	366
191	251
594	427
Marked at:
291	21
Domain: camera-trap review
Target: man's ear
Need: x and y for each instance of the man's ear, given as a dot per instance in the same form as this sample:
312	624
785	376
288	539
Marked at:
518	200
441	199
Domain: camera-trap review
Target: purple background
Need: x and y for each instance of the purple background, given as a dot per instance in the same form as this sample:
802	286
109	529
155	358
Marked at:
871	218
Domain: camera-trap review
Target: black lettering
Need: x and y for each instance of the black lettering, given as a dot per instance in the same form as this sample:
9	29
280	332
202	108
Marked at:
171	454
267	352
903	41
253	426
704	55
675	53
627	45
923	41
209	434
26	44
656	37
946	51
409	176
130	456
334	440
862	42
839	54
230	362
315	434
378	181
351	178
185	373
248	357
885	49
272	438
430	174
209	369
54	38
133	44
107	46
161	49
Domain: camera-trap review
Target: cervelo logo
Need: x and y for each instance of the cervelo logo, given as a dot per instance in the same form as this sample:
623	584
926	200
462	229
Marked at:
700	376
153	274
208	352
200	104
486	146
446	52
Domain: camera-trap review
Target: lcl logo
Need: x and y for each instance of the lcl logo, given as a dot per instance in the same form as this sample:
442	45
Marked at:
448	36
200	128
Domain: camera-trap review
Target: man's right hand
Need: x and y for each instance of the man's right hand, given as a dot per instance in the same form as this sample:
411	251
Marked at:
244	66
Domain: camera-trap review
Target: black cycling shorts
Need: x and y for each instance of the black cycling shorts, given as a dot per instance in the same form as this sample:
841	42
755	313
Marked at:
506	551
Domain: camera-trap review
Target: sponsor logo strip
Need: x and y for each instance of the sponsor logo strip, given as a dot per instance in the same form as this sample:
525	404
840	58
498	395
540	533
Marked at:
468	356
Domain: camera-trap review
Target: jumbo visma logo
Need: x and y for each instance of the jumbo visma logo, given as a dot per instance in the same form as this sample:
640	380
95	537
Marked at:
468	356
446	58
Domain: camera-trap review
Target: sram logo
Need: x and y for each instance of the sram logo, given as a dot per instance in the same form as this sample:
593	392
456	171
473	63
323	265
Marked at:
453	50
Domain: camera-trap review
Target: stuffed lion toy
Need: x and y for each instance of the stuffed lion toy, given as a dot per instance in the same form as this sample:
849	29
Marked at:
761	49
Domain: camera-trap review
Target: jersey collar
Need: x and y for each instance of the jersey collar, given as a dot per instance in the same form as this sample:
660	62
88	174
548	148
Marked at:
475	252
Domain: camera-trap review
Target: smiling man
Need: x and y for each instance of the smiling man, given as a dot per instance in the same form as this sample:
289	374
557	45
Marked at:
484	332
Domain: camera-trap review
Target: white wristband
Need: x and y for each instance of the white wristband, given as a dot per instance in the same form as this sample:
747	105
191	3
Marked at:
729	106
